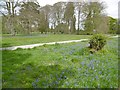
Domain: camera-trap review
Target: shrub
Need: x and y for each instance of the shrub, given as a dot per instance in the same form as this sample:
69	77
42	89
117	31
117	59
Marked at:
57	44
97	42
44	45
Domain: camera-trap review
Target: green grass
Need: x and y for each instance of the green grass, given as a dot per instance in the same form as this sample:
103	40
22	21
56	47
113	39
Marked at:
61	65
25	40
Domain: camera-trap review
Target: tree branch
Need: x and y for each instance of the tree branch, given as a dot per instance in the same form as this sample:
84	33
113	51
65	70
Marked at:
3	14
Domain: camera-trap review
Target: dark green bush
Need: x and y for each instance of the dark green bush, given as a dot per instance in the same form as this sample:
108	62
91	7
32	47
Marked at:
97	42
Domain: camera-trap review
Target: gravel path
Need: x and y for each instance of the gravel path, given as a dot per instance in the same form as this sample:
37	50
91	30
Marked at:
41	44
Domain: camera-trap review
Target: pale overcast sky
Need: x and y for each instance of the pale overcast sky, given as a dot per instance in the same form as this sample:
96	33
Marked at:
112	5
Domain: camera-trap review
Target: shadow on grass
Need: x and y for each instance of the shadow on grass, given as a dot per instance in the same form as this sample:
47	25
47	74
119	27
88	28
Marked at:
38	77
31	74
5	45
51	76
13	57
11	61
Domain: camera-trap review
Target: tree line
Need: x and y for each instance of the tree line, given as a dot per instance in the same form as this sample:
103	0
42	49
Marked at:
25	17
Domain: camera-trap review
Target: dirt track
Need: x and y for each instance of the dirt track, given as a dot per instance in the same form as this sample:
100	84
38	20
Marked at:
41	44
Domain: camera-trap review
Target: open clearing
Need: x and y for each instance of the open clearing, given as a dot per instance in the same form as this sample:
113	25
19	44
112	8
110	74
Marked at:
61	65
8	41
41	44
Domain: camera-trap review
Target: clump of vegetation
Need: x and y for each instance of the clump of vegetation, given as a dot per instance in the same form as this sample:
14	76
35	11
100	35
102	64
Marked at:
57	44
75	60
97	42
44	45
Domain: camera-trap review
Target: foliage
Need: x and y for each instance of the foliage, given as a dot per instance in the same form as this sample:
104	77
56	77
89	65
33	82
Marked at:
27	17
94	17
69	16
113	25
62	28
8	11
97	42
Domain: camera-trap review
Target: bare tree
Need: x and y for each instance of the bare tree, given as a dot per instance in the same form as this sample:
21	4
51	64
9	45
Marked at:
79	6
58	11
8	10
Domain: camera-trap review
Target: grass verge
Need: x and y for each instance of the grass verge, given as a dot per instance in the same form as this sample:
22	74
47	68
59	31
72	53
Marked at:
8	41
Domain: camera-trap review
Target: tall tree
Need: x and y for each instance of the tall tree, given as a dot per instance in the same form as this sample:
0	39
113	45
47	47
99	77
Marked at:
58	13
8	10
42	23
69	15
59	9
29	15
46	10
93	12
79	6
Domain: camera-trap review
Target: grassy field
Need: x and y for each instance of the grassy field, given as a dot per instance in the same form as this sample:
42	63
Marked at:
65	65
25	40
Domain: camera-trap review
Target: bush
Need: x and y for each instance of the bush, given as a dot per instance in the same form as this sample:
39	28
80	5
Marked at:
97	42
